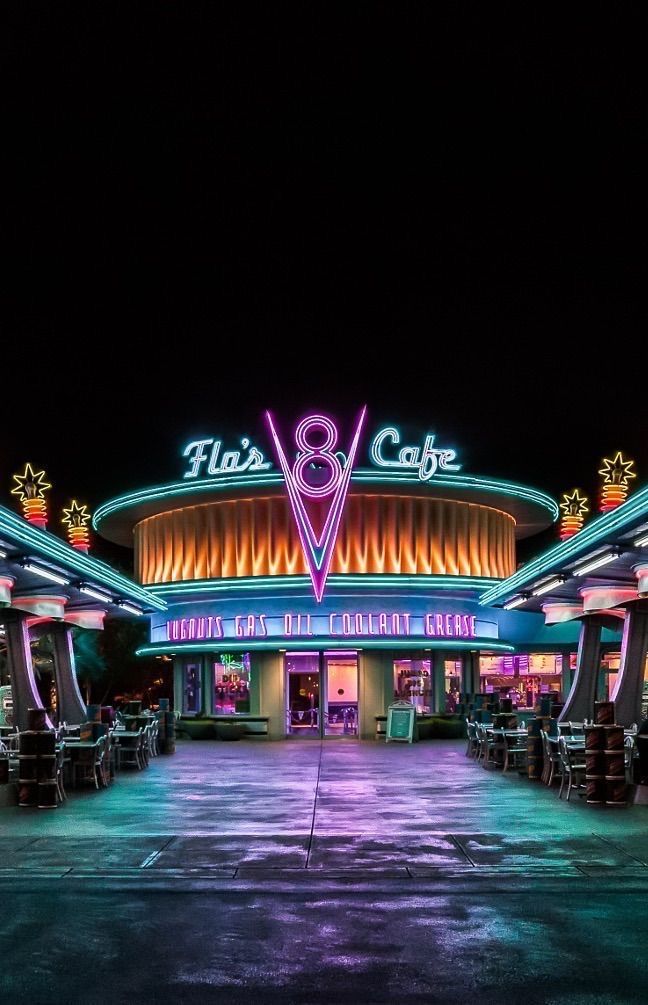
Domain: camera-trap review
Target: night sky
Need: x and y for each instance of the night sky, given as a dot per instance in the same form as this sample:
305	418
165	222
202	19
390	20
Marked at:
214	209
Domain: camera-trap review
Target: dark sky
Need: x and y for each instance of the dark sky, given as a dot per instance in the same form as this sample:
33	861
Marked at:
213	209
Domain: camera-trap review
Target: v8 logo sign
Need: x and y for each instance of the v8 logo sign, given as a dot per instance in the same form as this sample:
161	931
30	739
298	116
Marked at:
317	483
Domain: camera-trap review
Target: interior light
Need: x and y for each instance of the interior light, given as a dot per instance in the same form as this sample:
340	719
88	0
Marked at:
514	603
640	543
96	594
125	606
547	587
596	564
45	573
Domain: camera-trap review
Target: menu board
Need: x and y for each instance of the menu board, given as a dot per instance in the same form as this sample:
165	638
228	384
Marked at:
400	722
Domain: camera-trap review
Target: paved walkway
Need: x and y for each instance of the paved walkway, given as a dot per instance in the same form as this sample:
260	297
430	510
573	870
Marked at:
342	872
246	808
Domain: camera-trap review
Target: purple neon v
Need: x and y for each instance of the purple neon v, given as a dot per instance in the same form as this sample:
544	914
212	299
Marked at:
317	548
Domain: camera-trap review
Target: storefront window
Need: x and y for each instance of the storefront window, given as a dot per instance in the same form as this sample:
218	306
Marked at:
231	684
452	675
412	682
522	677
192	688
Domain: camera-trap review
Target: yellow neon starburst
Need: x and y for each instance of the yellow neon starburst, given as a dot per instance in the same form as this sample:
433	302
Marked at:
76	516
76	520
30	485
574	504
617	471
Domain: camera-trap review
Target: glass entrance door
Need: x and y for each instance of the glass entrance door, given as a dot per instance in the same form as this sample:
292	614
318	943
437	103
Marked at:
341	674
321	694
303	694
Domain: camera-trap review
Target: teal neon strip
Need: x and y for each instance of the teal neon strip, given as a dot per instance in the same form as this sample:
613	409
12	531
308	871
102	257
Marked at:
34	541
596	532
332	642
361	476
274	583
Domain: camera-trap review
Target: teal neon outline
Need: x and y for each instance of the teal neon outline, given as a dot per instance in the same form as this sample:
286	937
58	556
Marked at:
325	642
34	541
565	551
273	583
360	476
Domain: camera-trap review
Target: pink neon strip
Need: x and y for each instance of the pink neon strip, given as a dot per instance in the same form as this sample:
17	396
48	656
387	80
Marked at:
318	551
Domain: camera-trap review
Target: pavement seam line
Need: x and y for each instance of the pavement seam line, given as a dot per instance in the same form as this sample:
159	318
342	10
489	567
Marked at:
461	848
317	782
618	847
150	859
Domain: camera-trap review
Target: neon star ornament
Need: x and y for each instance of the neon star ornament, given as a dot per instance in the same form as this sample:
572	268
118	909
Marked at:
76	519
616	475
574	507
30	488
316	475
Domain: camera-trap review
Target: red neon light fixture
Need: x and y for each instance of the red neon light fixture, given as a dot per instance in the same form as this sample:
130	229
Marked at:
616	475
574	507
76	520
30	488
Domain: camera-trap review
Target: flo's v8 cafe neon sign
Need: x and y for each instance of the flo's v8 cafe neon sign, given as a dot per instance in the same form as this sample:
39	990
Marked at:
317	473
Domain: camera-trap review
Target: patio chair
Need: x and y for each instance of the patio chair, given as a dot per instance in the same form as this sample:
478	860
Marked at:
515	751
60	764
86	764
131	752
492	746
472	746
573	769
551	761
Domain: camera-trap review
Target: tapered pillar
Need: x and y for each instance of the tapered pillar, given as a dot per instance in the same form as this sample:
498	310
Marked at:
24	692
580	700
629	684
471	678
70	704
438	681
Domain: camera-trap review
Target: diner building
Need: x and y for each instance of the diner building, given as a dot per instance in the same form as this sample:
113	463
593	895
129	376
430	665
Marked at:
305	579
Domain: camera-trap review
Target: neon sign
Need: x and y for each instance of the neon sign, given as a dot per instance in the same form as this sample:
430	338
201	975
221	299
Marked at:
345	624
229	463
313	457
426	460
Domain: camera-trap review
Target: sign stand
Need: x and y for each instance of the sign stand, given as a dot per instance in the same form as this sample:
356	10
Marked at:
401	716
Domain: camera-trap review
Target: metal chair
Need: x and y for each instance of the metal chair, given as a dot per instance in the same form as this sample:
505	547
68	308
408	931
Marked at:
515	751
472	747
573	769
131	752
551	760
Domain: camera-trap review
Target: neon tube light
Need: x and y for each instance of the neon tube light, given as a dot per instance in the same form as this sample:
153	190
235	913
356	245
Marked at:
45	573
31	540
641	543
515	603
3	554
596	564
614	522
96	594
547	587
129	607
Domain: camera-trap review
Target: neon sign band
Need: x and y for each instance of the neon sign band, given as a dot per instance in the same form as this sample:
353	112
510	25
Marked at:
426	461
345	624
227	464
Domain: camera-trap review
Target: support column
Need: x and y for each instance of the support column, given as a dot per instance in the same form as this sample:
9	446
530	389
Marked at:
438	681
71	706
580	700
629	685
24	692
471	678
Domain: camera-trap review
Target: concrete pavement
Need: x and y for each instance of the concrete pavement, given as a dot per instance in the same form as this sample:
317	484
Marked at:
312	872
